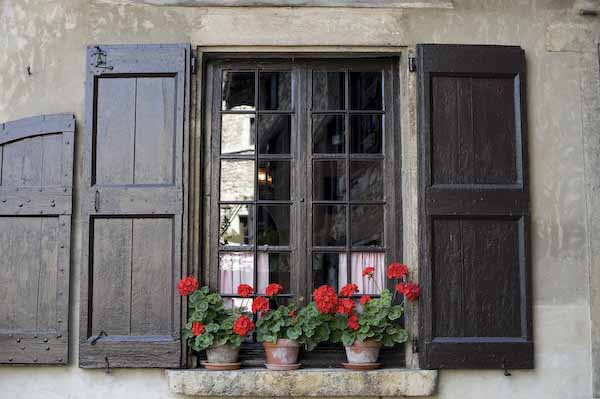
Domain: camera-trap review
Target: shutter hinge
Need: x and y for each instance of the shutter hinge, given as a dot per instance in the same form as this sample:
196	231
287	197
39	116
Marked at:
415	345
193	65
412	63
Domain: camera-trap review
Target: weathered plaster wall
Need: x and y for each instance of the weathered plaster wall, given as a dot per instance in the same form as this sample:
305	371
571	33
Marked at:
50	36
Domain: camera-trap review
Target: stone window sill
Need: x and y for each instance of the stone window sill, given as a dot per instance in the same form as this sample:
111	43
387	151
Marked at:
258	382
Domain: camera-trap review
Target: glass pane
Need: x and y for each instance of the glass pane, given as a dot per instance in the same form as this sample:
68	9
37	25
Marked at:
327	268
238	91
329	180
235	268
366	90
329	134
237	134
365	134
274	132
366	180
273	268
366	227
244	303
237	180
329	225
362	260
236	225
273	225
275	92
273	180
329	91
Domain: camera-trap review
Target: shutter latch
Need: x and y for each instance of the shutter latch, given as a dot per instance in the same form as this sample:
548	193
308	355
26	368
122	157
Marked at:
506	371
412	63
97	201
107	364
97	337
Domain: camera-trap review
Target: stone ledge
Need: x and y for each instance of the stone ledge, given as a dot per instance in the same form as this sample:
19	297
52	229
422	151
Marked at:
257	382
439	4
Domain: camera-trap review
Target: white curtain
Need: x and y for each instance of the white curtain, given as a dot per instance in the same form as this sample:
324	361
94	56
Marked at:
358	261
237	268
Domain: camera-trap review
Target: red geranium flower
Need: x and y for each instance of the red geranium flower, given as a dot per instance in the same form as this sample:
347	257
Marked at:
397	271
197	328
364	299
325	299
345	306
292	314
273	289
353	322
242	326
348	289
260	304
244	290
409	290
187	285
368	271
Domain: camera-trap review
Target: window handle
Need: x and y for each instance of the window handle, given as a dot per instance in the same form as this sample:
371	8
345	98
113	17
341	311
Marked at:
97	201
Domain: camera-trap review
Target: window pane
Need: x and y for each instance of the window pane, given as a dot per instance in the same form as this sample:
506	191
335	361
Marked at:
237	180
274	132
273	180
329	91
328	134
329	180
235	268
366	136
366	90
327	268
237	134
366	180
236	225
329	225
244	303
366	226
361	260
238	91
273	268
273	226
275	90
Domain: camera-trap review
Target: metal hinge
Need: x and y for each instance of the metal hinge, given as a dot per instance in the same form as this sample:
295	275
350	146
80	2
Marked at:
415	345
412	63
193	65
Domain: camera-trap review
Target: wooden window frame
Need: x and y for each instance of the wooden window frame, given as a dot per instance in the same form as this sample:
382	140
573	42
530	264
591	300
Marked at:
207	183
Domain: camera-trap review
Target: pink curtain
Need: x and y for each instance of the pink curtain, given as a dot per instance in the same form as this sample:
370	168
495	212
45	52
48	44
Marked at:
358	261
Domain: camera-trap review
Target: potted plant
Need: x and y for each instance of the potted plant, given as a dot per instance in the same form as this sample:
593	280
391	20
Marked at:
278	329
213	327
364	328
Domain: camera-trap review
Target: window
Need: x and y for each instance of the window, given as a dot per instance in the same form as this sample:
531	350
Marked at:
304	182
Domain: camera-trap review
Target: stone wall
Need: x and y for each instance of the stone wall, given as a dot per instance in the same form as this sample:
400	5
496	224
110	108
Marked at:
50	37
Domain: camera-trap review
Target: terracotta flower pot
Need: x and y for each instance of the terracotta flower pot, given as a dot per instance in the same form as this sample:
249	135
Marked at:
222	357
282	355
363	352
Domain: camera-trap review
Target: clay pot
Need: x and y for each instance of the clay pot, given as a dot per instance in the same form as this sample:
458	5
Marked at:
363	352
282	355
222	354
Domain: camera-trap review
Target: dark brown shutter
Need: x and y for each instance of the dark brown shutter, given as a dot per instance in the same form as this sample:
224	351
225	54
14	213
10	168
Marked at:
474	208
132	202
36	178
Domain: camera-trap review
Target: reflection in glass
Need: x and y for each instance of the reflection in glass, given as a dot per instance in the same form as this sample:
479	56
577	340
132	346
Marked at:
273	225
366	225
366	180
273	180
360	260
237	180
329	225
326	269
365	134
237	134
274	132
329	180
273	268
366	91
275	91
235	268
244	303
236	225
238	91
328	134
328	91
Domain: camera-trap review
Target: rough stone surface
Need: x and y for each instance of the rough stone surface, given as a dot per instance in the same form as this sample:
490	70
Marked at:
295	3
303	383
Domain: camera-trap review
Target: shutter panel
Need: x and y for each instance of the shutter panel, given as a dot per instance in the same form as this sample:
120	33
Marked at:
36	178
132	204
474	208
